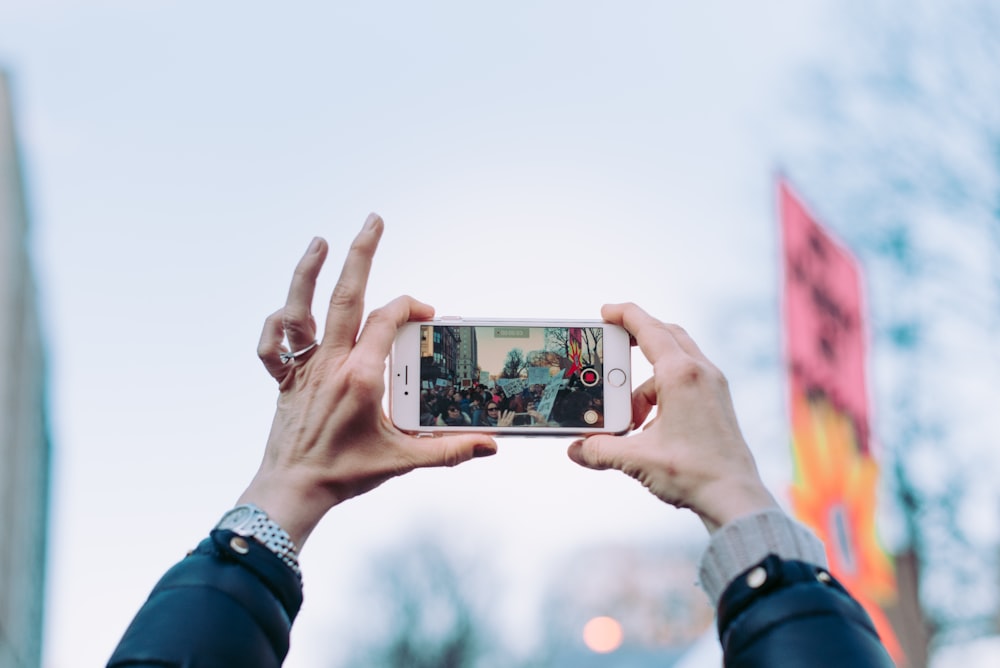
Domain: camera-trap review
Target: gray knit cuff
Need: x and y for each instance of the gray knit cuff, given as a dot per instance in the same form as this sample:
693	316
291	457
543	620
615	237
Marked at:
746	541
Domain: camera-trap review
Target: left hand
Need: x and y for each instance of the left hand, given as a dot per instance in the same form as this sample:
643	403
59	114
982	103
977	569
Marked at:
692	453
330	439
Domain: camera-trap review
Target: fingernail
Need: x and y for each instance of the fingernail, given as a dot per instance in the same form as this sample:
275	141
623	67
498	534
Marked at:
314	245
483	451
372	222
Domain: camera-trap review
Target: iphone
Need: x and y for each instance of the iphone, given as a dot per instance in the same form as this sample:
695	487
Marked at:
519	377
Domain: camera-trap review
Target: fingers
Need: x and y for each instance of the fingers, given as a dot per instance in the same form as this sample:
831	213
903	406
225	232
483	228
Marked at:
652	335
685	341
297	320
380	330
643	401
347	303
656	339
269	349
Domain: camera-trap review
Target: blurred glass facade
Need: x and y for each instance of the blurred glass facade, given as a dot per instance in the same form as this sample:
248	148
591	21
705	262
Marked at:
24	437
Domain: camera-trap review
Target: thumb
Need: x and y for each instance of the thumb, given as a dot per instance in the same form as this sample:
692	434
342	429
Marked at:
452	450
597	452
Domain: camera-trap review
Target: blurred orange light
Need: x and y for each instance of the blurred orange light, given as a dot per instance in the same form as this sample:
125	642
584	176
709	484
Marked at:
602	635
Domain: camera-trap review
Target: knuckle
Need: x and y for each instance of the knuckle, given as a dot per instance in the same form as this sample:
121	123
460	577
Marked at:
273	319
363	379
720	379
595	453
693	372
391	313
344	296
302	272
297	328
291	316
687	372
662	328
453	456
674	328
378	315
364	244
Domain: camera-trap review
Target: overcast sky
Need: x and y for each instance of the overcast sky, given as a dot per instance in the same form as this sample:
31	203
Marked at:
534	159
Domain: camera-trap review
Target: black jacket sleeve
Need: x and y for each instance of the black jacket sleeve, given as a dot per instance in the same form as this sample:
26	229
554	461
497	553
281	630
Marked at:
791	614
230	602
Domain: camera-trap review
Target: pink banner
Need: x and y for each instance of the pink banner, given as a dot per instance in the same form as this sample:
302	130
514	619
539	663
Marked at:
825	342
836	477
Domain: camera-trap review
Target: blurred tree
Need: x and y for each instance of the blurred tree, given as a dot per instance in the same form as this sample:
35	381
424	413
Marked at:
558	338
591	340
427	610
546	358
514	364
899	152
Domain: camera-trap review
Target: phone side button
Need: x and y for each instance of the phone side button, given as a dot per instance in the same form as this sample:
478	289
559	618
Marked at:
424	434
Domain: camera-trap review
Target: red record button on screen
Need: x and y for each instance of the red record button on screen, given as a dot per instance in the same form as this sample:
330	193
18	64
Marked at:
589	377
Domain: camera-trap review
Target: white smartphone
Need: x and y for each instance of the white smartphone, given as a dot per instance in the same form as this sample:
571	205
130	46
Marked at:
519	377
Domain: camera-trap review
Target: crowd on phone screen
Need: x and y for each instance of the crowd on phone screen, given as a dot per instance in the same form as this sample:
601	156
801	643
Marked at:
483	406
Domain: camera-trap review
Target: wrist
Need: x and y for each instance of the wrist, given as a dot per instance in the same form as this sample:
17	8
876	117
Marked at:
729	499
292	506
747	540
251	523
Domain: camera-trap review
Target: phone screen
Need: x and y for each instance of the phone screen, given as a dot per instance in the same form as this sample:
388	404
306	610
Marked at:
502	376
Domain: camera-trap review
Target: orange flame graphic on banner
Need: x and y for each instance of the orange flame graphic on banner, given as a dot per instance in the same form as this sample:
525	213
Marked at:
834	493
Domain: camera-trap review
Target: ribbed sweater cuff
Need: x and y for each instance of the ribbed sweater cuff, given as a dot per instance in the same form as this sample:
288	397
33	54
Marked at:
746	541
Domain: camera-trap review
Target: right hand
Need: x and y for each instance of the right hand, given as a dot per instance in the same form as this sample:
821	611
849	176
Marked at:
691	454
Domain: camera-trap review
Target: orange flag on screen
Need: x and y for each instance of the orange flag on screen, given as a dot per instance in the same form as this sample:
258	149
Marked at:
575	350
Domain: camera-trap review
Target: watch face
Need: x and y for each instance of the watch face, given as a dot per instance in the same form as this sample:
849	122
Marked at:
235	517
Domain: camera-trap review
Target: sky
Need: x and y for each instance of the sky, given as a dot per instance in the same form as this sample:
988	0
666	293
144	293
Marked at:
532	160
492	351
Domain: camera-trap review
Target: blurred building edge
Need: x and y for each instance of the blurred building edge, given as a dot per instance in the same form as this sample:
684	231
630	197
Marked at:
905	614
24	435
651	591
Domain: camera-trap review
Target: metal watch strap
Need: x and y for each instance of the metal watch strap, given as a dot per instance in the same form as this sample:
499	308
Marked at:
252	522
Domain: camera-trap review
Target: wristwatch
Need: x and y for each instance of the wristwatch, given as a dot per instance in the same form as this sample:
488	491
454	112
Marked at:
251	522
